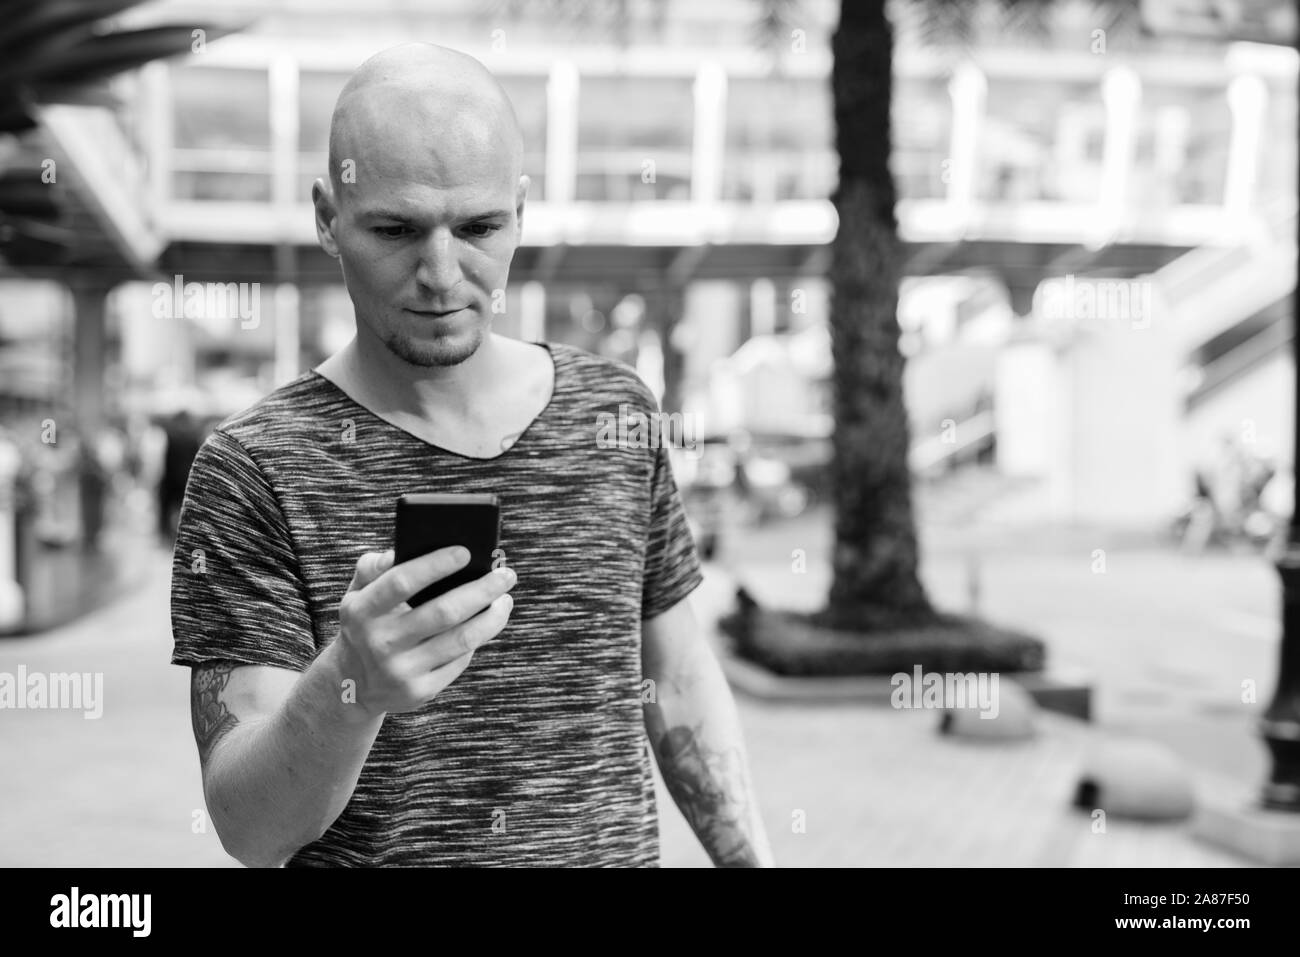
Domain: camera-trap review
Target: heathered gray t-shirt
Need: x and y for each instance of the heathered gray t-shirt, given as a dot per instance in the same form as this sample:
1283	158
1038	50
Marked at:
537	753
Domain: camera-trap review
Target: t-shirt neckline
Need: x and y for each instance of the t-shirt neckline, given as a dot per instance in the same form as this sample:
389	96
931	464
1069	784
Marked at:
556	364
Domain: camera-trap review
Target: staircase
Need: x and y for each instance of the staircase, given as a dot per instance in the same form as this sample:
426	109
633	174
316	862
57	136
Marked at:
1211	290
1228	309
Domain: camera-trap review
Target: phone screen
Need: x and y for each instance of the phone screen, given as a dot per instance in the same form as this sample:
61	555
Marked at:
426	522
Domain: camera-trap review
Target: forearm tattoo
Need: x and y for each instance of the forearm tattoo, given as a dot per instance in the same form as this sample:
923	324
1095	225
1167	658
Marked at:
212	719
710	790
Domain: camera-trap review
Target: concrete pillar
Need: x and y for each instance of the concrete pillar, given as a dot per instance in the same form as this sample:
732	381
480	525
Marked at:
287	333
158	130
1248	101
709	331
1121	92
89	347
669	306
1026	412
1124	426
762	308
561	132
1173	124
710	137
968	89
283	94
532	312
12	599
282	82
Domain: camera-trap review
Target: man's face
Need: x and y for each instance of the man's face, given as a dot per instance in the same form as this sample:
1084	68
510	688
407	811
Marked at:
426	233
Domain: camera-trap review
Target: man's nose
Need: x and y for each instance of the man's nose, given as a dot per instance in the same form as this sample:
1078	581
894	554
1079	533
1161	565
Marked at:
439	268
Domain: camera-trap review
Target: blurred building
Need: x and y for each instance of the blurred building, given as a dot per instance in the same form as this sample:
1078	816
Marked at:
1099	226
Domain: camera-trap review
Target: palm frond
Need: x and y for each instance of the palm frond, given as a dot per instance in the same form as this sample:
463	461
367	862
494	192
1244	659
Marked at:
774	28
99	57
971	22
612	20
55	19
24	194
775	20
947	22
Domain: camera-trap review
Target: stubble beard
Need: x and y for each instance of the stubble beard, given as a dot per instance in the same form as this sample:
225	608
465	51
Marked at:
440	353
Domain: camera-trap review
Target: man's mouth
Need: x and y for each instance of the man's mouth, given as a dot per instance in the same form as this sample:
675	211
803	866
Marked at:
435	313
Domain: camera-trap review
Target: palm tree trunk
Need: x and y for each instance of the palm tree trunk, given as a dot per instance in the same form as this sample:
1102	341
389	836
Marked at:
875	584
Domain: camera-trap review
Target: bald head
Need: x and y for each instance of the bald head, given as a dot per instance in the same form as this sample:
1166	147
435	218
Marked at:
407	92
424	204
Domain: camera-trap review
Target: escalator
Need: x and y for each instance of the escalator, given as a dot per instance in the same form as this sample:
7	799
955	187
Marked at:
1210	292
1233	355
1229	309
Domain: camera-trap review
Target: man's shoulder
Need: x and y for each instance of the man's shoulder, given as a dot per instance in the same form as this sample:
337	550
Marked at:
276	430
603	381
303	405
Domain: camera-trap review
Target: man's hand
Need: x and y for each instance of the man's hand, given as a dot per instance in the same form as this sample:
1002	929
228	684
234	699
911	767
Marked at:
282	751
402	657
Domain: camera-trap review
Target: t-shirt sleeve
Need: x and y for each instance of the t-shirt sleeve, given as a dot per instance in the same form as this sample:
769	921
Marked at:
672	567
237	593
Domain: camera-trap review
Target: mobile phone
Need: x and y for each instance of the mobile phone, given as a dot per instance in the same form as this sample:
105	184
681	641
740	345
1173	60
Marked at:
426	522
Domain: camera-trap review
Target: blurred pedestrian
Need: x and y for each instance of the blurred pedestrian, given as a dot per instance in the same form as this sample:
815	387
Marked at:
183	440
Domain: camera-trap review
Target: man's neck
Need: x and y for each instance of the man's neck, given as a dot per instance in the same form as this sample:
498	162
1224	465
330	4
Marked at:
382	382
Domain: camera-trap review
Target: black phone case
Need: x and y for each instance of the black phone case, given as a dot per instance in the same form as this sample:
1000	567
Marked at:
426	522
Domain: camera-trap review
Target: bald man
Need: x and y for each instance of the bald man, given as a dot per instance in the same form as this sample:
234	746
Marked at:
512	720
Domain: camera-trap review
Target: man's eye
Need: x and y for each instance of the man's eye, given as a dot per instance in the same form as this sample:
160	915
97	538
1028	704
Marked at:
390	232
487	229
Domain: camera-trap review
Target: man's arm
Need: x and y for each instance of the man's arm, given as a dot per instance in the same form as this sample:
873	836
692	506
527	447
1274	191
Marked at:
280	751
695	733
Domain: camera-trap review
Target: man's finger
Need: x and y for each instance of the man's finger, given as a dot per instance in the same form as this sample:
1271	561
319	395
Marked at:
443	675
466	637
458	605
369	567
400	582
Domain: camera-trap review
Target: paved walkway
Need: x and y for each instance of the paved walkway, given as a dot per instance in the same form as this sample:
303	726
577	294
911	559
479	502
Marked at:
120	790
877	787
871	786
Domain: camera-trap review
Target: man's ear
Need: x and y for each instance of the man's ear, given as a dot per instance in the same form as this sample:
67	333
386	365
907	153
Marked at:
521	195
327	214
